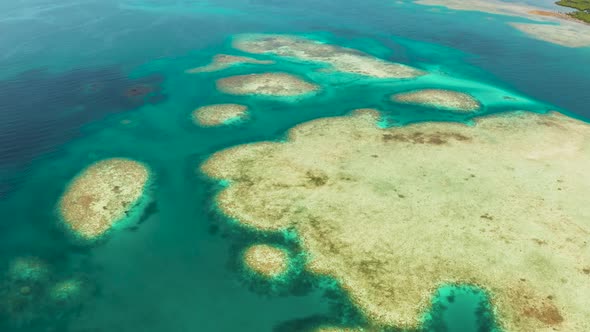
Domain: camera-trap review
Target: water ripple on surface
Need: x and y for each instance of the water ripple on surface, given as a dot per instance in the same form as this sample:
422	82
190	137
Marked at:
40	111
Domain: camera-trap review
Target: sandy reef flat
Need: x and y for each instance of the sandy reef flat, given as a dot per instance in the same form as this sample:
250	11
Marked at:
487	6
267	84
102	195
396	213
339	58
562	30
219	114
564	34
224	61
266	260
437	98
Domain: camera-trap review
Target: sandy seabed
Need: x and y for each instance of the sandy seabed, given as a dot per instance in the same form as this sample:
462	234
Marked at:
396	213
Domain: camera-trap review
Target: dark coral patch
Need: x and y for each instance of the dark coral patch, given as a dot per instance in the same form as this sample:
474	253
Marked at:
138	90
437	138
316	179
546	313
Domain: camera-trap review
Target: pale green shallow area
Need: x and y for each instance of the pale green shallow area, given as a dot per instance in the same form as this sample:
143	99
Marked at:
178	269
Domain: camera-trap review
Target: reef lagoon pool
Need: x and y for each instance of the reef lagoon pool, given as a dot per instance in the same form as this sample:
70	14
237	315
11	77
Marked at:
269	165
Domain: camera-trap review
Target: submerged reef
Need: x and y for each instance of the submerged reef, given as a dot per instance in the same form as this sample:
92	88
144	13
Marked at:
268	84
564	30
340	59
219	114
487	6
29	295
395	213
437	98
266	260
28	269
18	305
223	61
102	195
68	293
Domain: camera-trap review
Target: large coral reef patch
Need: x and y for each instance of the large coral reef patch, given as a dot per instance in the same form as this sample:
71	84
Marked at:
393	214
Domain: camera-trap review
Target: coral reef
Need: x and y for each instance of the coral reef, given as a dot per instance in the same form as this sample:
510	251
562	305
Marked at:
564	30
437	98
395	213
28	269
338	58
219	114
68	292
268	84
102	195
266	260
223	61
564	34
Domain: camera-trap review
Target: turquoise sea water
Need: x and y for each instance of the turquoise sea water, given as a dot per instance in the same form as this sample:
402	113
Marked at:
81	81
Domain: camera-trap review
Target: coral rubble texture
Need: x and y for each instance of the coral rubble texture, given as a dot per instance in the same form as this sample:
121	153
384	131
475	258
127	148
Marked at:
266	260
445	99
223	61
341	59
268	84
396	213
102	195
219	114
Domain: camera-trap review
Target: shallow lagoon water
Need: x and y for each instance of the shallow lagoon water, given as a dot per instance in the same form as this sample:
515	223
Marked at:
176	269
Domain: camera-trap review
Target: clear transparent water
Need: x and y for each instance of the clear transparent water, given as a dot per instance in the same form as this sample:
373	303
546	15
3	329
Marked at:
65	74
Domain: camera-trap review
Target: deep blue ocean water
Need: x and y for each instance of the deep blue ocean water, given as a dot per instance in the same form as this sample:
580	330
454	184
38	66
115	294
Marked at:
81	81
